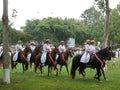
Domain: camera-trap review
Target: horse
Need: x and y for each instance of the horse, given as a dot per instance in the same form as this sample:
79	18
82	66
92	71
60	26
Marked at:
8	57
1	53
22	58
36	52
97	62
63	59
51	61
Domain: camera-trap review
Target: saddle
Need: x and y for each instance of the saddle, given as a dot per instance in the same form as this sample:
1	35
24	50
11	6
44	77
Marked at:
91	59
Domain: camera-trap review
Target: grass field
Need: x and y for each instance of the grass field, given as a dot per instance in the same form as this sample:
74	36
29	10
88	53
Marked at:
34	81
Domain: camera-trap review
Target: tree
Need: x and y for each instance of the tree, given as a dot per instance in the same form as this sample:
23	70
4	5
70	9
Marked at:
1	31
56	29
114	27
6	71
104	6
93	19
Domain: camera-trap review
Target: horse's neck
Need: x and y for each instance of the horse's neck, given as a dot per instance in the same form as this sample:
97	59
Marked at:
53	54
24	53
66	55
37	52
100	55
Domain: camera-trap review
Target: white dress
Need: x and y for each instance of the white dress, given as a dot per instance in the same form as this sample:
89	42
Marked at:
18	47
86	56
62	48
32	47
92	49
46	49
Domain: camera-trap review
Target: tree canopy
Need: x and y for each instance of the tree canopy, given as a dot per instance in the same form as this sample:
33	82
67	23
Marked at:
89	26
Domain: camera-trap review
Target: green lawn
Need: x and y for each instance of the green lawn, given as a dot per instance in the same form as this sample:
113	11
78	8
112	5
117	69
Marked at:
34	81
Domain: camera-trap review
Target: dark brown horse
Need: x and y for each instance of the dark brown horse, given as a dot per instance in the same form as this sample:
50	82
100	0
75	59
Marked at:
97	62
22	58
50	61
36	52
63	59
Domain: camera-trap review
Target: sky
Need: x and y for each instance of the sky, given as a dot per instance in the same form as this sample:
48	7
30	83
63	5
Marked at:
38	9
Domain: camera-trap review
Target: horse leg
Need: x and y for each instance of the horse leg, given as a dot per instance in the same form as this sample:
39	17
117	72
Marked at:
103	74
48	70
23	67
35	68
56	69
67	69
13	65
30	65
82	69
60	69
95	76
36	65
41	70
52	69
82	72
99	74
26	65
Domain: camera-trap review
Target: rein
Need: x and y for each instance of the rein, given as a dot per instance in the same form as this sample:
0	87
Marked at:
63	58
51	59
99	59
23	56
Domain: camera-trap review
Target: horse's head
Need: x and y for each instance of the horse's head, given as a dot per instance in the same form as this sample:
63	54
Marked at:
27	49
55	50
69	51
38	49
106	52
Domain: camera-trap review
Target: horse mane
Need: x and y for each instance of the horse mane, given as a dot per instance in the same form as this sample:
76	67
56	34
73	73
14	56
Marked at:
67	50
27	49
104	52
38	49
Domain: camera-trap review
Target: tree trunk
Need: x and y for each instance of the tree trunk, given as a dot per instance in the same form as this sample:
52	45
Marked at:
106	28
6	71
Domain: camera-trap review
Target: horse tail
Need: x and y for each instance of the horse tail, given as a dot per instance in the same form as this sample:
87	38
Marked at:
75	65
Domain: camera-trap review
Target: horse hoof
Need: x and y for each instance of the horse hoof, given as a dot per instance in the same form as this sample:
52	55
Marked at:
95	77
106	79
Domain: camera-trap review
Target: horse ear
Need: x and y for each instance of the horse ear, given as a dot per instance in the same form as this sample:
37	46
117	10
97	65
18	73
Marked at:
109	48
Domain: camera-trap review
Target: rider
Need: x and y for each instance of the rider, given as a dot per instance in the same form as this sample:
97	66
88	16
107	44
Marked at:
18	48
86	56
92	49
62	49
32	47
46	49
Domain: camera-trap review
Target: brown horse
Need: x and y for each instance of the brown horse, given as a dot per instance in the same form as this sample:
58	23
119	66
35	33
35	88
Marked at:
63	59
36	52
22	58
50	61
